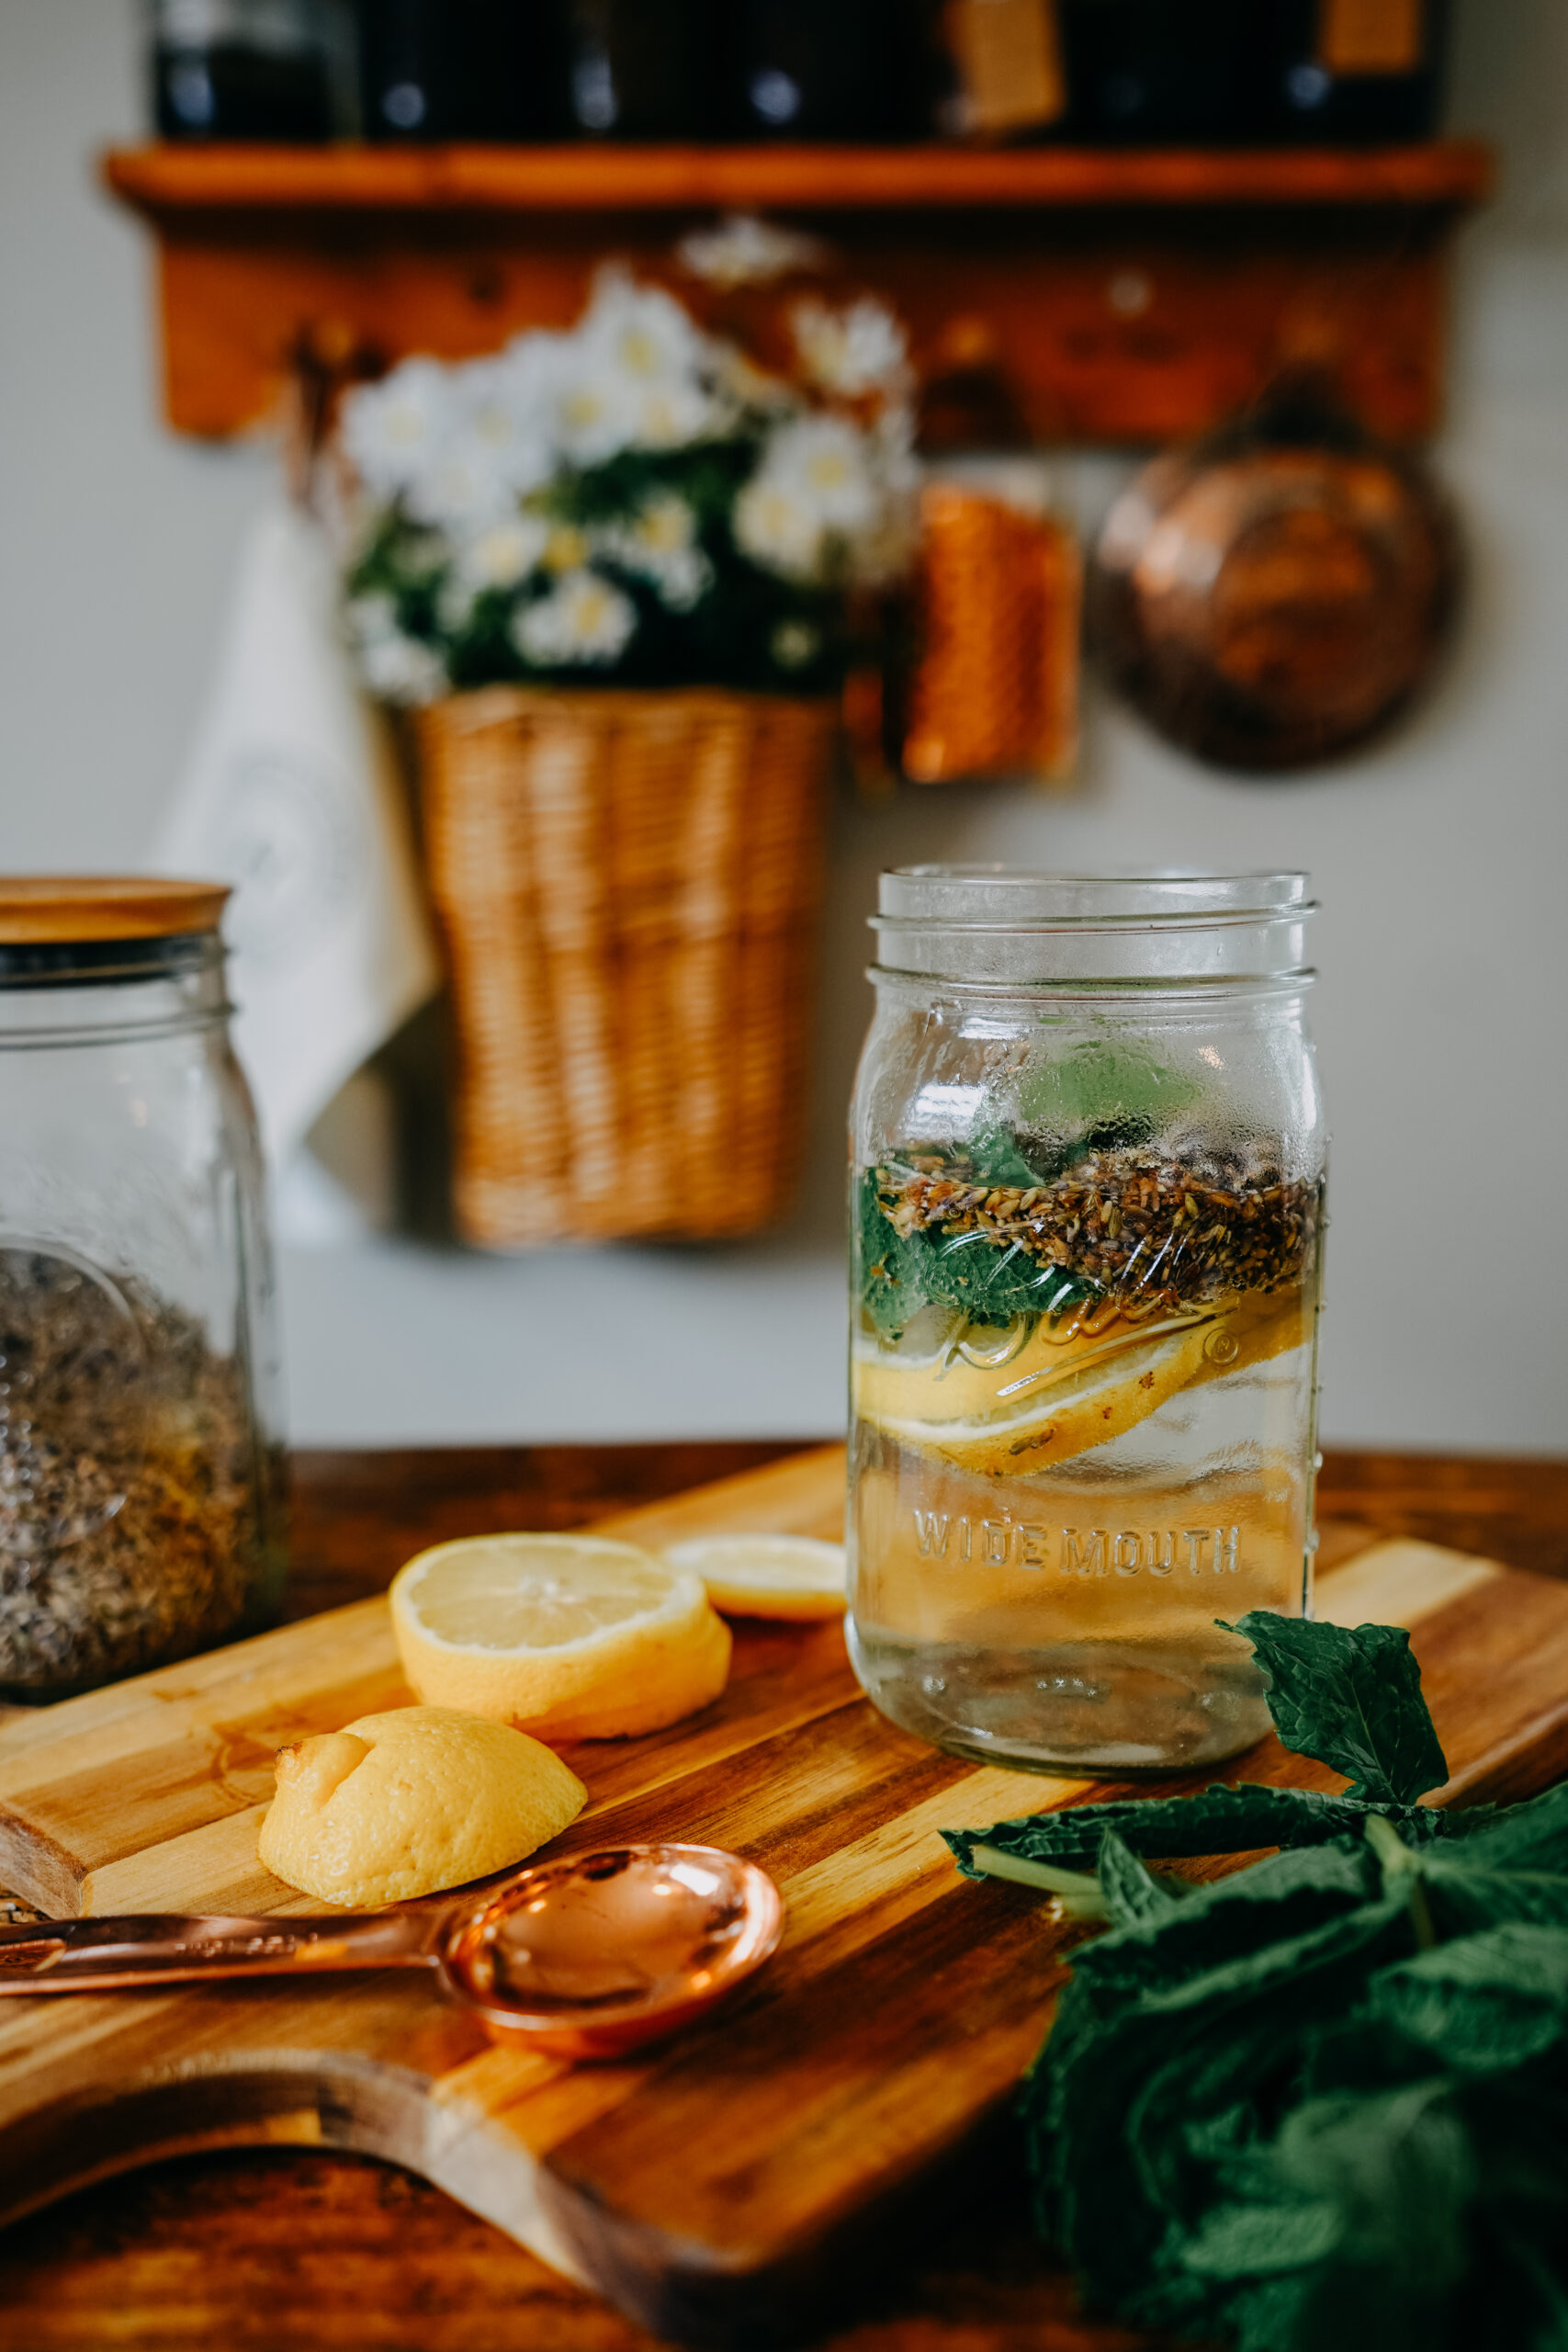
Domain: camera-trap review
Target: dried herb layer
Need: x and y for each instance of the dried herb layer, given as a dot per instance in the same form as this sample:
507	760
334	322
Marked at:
135	1502
1134	1224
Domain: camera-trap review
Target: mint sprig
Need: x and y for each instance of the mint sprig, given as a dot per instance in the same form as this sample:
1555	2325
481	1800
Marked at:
1322	2100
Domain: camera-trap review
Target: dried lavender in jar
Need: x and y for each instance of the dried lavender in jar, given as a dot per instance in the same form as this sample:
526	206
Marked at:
131	1508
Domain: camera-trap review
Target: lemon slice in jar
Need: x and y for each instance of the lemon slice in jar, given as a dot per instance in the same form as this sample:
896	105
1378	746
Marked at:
1055	1398
767	1575
565	1636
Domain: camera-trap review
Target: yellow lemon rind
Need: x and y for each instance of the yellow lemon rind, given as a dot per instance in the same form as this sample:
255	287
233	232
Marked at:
623	1679
1100	1403
410	1803
795	1578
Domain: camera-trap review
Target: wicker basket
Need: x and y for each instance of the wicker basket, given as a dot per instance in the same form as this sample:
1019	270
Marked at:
628	888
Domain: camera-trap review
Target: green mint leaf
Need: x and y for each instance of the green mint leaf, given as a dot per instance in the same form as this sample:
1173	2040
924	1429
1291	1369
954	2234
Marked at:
1528	1836
997	1159
1139	2059
1102	1094
991	1281
1485	2003
1215	1821
1350	1697
1134	1897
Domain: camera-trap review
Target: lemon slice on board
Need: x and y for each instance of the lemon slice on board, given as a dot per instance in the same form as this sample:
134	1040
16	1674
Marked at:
565	1636
767	1575
1055	1399
406	1804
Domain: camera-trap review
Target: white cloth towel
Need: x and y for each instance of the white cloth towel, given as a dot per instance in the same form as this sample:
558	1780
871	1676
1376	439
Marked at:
292	795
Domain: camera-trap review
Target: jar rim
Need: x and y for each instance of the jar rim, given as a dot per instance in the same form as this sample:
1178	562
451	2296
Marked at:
1002	898
985	924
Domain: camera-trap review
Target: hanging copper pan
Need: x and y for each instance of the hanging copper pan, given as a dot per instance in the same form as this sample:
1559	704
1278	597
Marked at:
1275	594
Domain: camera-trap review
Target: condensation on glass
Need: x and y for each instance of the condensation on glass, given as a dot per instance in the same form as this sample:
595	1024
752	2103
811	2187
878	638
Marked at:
141	1491
1087	1220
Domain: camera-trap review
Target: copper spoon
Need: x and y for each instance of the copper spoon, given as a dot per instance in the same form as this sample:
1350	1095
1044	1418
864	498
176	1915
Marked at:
586	1957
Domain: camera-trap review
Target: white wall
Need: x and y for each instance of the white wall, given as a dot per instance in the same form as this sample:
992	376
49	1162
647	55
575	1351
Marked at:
1440	860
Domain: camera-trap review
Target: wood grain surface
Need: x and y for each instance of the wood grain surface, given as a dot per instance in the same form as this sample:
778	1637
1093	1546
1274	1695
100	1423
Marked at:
226	176
1049	293
199	2253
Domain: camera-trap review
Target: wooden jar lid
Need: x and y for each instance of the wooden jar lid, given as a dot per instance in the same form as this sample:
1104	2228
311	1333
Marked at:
51	909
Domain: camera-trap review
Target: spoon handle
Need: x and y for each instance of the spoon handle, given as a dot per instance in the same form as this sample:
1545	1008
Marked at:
156	1948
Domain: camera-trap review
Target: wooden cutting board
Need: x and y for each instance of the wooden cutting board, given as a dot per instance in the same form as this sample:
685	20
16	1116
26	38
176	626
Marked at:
712	2186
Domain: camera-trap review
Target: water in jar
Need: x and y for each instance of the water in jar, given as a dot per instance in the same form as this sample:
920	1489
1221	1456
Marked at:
1081	1437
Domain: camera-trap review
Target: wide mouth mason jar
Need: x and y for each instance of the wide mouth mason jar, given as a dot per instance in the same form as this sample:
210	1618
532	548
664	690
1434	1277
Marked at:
141	1489
1086	1218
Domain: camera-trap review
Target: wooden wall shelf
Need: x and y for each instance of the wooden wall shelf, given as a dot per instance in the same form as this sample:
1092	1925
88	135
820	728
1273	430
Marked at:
1053	294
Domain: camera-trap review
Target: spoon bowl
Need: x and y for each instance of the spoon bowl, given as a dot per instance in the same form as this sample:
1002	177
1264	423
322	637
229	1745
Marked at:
592	1955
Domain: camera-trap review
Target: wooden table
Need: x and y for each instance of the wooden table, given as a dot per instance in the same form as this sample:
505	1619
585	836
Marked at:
291	2252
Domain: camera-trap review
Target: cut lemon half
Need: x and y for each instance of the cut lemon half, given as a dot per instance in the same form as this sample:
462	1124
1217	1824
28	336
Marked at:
767	1575
1055	1397
565	1636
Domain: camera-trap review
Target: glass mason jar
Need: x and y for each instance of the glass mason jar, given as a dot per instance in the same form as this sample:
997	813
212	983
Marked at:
1088	1207
141	1490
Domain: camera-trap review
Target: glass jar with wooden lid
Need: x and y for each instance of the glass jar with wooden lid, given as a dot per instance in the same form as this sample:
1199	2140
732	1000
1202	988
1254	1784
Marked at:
140	1497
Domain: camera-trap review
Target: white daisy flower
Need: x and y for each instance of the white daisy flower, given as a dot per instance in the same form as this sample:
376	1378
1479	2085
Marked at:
826	462
659	544
778	530
671	416
583	619
397	667
821	503
500	555
461	489
505	408
504	552
633	375
744	251
639	332
393	431
853	352
592	417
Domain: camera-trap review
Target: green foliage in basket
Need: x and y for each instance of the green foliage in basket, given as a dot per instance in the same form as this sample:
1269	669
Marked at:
630	504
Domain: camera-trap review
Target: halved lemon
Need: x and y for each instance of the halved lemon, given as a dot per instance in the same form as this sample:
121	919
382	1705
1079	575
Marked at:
767	1575
565	1636
1057	1396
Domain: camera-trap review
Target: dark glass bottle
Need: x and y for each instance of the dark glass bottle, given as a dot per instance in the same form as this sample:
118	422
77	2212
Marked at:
636	69
407	70
456	69
1155	72
503	69
239	68
1369	70
831	69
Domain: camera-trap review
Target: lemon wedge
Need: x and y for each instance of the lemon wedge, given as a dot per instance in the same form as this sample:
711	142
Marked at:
565	1636
1058	1396
767	1575
405	1803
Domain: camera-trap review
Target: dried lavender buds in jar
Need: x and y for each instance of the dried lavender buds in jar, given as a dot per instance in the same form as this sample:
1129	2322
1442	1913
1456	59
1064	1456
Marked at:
1133	1221
132	1500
